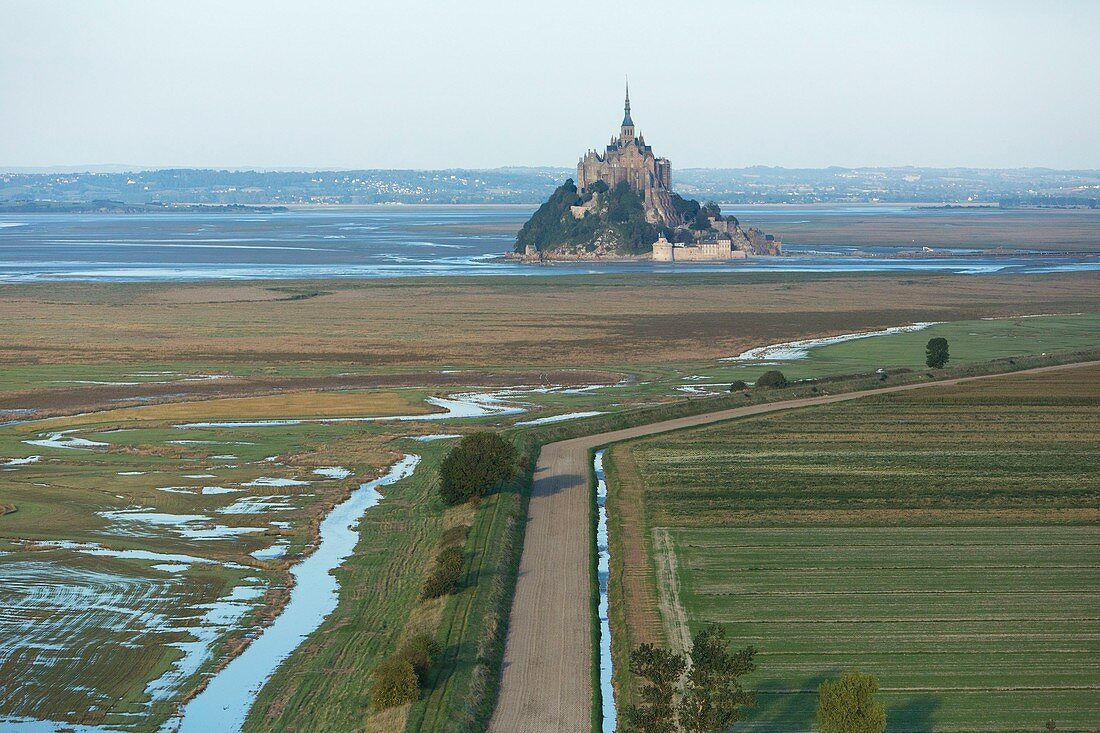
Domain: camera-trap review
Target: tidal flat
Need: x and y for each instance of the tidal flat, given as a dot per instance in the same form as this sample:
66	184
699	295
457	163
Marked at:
388	242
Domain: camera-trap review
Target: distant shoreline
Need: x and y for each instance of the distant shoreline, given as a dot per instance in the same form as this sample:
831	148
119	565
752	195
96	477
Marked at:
120	207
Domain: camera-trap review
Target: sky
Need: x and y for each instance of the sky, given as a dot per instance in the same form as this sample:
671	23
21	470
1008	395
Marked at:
480	84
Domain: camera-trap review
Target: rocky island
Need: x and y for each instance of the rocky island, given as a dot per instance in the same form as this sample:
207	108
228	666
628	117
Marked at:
622	207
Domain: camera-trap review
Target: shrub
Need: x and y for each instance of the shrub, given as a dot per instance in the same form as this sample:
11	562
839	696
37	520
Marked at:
454	535
772	379
445	575
419	651
738	385
478	463
395	683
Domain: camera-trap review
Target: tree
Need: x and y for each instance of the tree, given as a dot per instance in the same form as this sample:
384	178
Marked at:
480	462
700	223
713	699
847	705
936	355
686	209
661	669
772	379
395	683
737	385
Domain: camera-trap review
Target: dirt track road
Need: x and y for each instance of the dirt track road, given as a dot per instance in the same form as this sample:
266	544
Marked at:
546	684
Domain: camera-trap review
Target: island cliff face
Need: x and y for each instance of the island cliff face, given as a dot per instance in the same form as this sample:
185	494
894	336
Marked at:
622	206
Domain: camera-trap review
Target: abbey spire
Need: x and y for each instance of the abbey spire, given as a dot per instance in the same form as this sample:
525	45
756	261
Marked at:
626	133
627	159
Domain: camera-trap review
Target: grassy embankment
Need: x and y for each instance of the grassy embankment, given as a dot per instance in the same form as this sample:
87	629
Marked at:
944	540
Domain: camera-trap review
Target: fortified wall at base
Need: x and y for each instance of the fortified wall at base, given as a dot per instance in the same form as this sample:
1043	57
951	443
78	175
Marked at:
718	250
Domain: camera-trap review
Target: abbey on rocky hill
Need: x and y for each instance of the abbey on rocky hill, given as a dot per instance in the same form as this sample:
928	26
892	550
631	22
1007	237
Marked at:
622	206
627	158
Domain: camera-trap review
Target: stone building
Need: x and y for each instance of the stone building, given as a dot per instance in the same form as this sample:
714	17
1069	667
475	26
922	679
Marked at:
720	248
628	158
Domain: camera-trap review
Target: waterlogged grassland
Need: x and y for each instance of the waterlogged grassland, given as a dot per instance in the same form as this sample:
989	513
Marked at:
946	540
85	634
294	393
307	404
160	584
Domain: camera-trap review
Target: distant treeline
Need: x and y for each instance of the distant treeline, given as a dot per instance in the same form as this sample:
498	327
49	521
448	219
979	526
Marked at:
1061	202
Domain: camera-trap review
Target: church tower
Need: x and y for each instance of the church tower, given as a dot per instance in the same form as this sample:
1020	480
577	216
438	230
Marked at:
626	132
627	159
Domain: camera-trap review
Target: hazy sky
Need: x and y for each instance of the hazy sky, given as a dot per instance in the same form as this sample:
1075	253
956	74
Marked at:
405	84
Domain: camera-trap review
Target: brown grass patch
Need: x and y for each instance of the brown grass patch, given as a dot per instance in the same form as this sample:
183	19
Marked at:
308	404
548	322
635	573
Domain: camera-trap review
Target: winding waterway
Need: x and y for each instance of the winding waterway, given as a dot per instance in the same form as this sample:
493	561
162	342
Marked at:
224	704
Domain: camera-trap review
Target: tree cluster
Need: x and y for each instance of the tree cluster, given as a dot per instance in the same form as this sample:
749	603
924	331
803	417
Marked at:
620	209
480	462
553	224
704	698
398	677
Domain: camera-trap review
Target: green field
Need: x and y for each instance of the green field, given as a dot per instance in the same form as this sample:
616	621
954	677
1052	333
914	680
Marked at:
967	628
945	540
970	341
